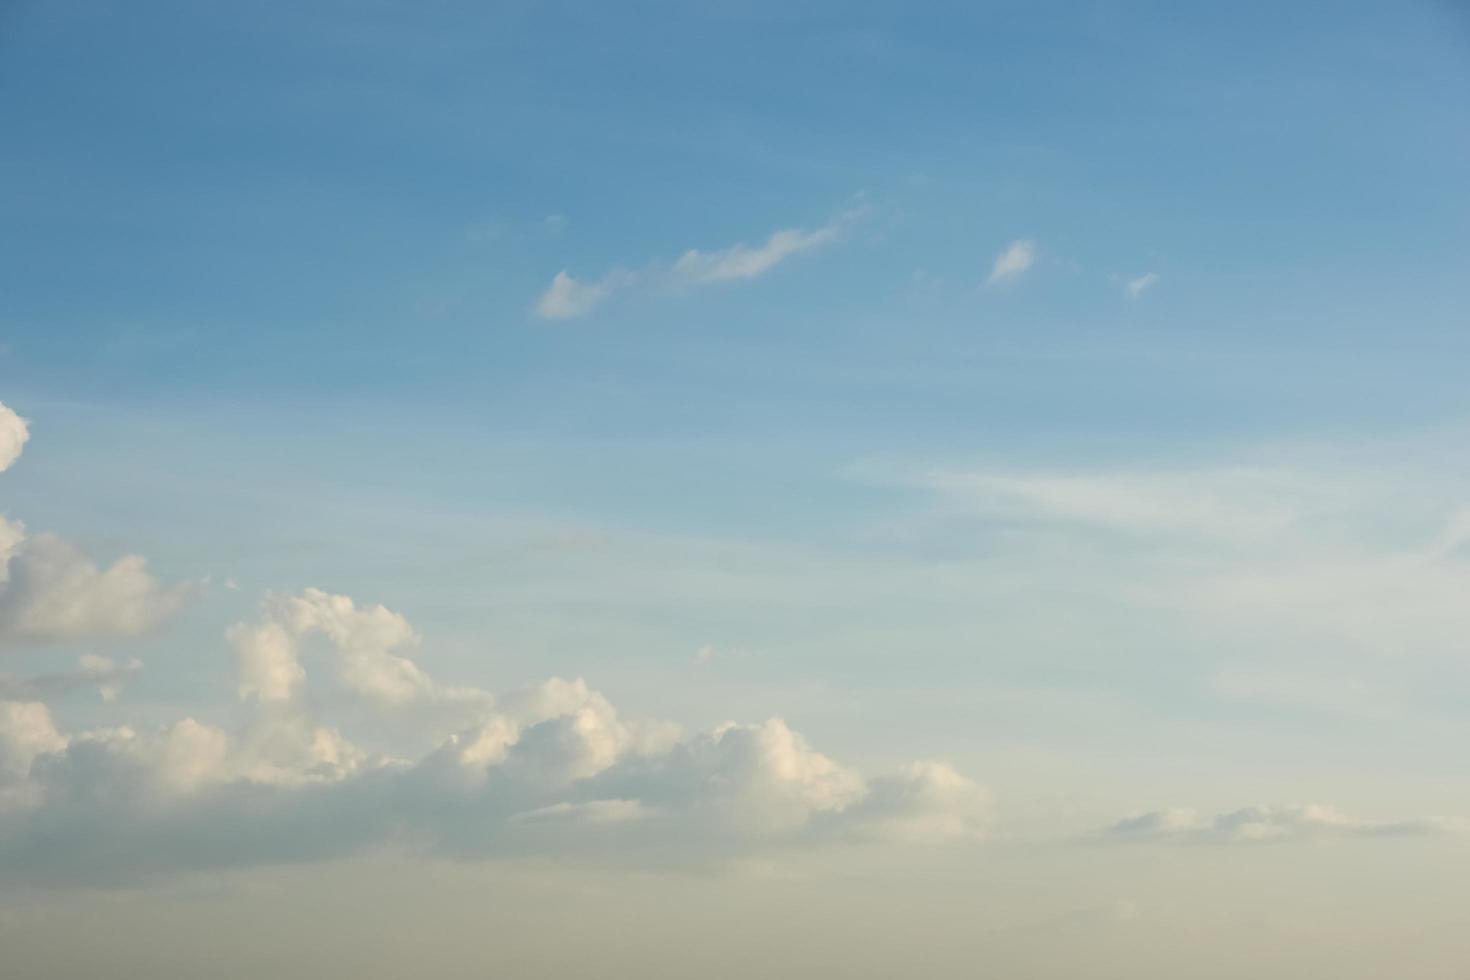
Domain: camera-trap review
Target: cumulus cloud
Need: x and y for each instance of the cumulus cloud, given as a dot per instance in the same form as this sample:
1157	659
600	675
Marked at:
50	591
552	766
1258	824
1136	287
569	297
363	650
1012	262
26	732
13	435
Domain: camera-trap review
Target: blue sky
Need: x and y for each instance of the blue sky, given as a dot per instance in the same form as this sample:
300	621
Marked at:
1072	393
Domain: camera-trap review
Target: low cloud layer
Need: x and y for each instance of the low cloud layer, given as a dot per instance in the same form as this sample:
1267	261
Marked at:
550	767
341	742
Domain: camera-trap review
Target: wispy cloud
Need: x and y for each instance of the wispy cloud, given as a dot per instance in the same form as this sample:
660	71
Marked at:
741	261
1229	503
1012	262
1137	287
1260	824
1350	550
567	297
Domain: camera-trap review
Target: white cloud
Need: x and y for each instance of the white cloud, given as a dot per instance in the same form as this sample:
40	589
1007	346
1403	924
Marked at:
569	297
26	732
1258	824
550	766
926	802
744	262
363	641
50	590
1136	287
1013	260
13	435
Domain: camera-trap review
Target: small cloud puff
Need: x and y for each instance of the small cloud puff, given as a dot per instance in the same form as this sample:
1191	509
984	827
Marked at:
1013	260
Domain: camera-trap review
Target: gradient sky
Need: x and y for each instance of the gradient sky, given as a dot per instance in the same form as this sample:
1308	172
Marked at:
734	489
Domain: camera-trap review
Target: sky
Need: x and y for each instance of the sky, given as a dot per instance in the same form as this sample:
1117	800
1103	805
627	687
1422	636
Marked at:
734	489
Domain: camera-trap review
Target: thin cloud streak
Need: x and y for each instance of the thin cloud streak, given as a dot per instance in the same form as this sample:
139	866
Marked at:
568	297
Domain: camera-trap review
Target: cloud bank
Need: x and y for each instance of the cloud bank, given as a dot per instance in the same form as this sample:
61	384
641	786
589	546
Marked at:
552	767
439	768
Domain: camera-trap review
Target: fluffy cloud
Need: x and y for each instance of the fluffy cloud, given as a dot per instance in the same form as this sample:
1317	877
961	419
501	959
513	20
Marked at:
551	766
13	435
1259	824
50	590
362	649
1013	260
26	732
568	297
